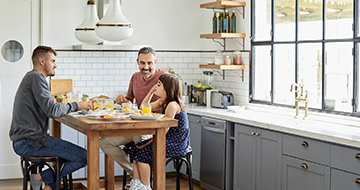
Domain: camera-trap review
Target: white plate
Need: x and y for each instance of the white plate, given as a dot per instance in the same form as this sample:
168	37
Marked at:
145	117
107	119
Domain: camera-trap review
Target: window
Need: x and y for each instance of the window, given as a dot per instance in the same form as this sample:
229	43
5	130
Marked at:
313	42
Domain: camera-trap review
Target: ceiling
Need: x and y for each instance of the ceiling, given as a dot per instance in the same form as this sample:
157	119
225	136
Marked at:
311	10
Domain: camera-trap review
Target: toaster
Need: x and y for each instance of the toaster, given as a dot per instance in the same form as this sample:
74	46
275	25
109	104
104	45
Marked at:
221	99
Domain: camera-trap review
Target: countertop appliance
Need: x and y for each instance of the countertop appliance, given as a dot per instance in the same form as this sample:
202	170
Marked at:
221	99
212	164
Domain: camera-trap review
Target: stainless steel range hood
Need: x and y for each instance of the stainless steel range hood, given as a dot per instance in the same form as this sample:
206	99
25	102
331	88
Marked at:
107	47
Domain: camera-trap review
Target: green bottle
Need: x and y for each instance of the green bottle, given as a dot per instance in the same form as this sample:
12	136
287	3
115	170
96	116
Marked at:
227	22
233	23
214	24
221	22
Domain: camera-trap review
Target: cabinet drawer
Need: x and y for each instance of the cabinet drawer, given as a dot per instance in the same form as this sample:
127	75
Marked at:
307	149
342	180
194	118
300	174
345	158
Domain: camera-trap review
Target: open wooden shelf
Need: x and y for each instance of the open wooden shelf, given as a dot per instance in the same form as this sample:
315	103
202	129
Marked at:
222	4
223	67
223	35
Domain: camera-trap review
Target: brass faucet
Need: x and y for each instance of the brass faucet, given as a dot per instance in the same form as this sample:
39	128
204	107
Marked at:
301	97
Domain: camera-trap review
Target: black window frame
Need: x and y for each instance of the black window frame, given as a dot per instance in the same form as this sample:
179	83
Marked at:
356	52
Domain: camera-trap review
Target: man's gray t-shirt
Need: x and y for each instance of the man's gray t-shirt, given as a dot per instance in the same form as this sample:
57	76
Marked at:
33	106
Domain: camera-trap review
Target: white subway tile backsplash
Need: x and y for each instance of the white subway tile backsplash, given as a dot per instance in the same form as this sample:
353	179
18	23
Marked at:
68	60
80	72
80	59
109	72
91	71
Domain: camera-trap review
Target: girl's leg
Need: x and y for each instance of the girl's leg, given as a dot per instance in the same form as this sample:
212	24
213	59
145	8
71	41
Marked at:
144	171
136	174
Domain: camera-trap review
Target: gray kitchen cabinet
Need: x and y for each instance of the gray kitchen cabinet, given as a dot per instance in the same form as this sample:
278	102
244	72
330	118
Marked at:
344	180
298	174
257	159
195	142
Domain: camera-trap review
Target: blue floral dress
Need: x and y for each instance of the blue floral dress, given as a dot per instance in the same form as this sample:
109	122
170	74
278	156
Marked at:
177	141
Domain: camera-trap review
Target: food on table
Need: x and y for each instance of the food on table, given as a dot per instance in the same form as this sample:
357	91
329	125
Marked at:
111	116
127	110
85	98
100	98
146	114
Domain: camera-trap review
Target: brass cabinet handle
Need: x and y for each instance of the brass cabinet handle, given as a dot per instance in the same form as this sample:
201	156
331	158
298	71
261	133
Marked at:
198	121
257	134
357	156
252	133
304	166
357	181
305	144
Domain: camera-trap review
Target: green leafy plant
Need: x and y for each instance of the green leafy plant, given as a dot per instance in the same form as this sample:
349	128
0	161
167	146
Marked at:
171	71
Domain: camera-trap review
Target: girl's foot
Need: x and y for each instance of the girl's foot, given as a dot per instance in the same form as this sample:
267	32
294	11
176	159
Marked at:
135	184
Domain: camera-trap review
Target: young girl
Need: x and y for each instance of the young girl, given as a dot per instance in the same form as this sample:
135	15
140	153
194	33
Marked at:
169	90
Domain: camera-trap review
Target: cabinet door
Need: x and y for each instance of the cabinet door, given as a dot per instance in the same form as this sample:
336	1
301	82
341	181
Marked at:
343	180
195	142
245	158
268	168
295	177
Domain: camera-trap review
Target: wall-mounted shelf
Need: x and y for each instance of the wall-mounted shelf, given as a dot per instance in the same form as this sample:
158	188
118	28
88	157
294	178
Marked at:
225	67
225	5
222	4
223	35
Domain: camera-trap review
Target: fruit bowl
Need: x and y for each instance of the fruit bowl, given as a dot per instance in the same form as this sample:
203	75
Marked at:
201	89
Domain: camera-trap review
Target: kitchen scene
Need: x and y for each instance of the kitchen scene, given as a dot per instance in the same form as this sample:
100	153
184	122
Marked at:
271	87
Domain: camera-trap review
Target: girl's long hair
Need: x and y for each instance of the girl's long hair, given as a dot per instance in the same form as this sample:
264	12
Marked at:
173	89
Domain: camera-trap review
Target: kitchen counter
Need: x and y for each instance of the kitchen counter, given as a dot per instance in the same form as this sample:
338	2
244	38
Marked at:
327	127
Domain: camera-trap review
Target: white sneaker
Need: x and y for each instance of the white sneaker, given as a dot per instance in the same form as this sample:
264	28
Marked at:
135	184
148	187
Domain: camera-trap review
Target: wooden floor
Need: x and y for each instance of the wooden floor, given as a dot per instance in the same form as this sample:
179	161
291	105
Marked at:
16	184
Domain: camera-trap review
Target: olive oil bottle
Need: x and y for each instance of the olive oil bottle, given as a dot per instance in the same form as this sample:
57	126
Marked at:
227	22
233	22
221	22
215	23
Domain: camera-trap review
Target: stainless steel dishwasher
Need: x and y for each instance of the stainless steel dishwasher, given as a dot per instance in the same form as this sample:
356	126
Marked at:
212	165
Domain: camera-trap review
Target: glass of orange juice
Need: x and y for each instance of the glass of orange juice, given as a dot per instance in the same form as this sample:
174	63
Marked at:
109	104
146	108
98	106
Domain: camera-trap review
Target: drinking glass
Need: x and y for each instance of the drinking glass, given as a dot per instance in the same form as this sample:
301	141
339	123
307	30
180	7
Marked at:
146	108
109	104
98	106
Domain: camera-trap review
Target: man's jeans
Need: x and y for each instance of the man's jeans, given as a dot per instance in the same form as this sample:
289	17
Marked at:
75	156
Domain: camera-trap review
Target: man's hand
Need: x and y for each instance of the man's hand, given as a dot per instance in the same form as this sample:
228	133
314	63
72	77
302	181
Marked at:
86	105
121	99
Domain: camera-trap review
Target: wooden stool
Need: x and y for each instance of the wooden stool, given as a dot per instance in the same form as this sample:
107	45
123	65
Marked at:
177	165
36	164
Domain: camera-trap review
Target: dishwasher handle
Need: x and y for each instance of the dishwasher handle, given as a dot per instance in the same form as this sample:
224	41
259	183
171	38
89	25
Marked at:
218	130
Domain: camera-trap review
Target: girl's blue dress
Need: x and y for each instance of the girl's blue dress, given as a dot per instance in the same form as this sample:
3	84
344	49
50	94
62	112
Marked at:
177	141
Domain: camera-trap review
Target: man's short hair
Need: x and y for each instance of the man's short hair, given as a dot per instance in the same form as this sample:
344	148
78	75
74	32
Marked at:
147	50
41	51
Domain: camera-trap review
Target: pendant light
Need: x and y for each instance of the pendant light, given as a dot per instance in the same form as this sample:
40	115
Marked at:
114	26
85	32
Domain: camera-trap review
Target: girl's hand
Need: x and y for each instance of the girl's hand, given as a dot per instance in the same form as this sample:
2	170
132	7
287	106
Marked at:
142	146
153	89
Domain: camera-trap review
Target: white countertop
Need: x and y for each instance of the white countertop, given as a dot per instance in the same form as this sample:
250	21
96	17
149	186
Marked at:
343	130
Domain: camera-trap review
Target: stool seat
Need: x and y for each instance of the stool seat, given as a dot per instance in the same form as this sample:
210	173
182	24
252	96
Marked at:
36	164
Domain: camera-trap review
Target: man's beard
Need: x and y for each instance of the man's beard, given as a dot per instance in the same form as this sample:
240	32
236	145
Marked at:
151	72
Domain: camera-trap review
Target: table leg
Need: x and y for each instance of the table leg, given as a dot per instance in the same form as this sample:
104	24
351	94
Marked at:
109	173
93	171
159	168
56	129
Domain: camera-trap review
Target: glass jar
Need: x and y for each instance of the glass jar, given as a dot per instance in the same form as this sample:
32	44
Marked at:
227	60
237	57
218	57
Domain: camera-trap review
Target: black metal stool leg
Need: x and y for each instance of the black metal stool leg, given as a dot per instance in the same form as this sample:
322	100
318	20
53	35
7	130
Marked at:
124	179
57	174
25	174
65	183
70	182
189	159
178	166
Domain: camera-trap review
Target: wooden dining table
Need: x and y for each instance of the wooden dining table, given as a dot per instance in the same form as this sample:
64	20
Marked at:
94	129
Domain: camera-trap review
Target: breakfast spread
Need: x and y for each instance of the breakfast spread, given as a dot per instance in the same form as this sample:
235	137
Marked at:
127	110
146	114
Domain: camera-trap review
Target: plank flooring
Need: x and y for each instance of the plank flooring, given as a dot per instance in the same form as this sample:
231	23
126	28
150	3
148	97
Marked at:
16	184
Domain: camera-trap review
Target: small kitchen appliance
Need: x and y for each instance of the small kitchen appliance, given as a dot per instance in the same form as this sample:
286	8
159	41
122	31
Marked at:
221	99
